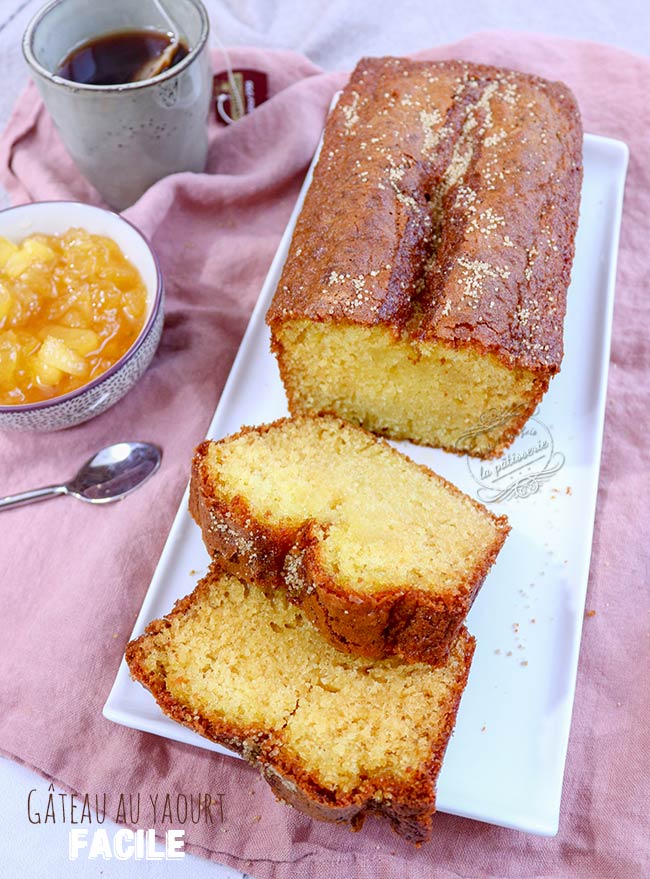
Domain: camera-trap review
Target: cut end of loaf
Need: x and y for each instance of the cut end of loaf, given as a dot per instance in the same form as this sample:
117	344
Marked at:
337	735
435	246
456	398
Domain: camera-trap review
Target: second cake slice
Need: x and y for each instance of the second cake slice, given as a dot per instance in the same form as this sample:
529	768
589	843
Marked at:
383	555
337	736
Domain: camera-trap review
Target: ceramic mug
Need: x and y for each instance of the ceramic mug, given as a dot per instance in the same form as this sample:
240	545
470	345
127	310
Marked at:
125	137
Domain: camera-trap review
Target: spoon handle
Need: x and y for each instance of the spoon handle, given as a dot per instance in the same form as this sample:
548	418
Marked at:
30	497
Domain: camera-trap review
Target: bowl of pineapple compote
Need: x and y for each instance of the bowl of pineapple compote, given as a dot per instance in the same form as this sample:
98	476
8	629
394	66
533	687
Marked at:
81	312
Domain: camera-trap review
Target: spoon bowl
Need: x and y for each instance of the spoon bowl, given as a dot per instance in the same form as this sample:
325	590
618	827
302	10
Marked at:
115	472
108	476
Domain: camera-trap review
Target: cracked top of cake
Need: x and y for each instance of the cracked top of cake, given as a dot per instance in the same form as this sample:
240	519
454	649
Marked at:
444	205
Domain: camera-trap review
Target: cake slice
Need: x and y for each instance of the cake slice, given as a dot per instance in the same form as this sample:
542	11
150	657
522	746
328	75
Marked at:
383	555
335	735
425	288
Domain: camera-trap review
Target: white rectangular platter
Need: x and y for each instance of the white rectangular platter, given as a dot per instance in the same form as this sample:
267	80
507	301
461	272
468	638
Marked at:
505	762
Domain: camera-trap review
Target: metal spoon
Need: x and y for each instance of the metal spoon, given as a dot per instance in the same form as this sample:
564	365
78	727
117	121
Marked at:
109	476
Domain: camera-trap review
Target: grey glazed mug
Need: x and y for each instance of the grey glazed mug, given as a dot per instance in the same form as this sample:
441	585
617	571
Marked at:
125	137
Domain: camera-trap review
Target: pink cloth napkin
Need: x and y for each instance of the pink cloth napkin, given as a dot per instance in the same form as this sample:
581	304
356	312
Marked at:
72	577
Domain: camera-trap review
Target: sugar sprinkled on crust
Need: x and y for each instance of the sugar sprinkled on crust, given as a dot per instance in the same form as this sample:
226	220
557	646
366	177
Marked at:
309	505
465	179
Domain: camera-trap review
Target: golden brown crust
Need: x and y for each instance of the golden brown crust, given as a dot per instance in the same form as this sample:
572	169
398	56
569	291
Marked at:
227	734
444	206
403	620
409	806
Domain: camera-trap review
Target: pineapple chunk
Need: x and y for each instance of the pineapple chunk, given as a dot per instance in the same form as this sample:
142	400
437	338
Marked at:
28	254
5	300
123	277
17	263
133	305
7	249
73	318
54	352
44	374
27	342
38	251
80	340
9	350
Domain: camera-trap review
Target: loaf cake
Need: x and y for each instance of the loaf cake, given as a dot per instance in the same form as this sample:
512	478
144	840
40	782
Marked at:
335	735
384	556
424	291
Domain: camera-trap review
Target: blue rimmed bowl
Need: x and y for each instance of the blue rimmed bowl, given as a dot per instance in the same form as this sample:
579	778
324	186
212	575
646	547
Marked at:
93	398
